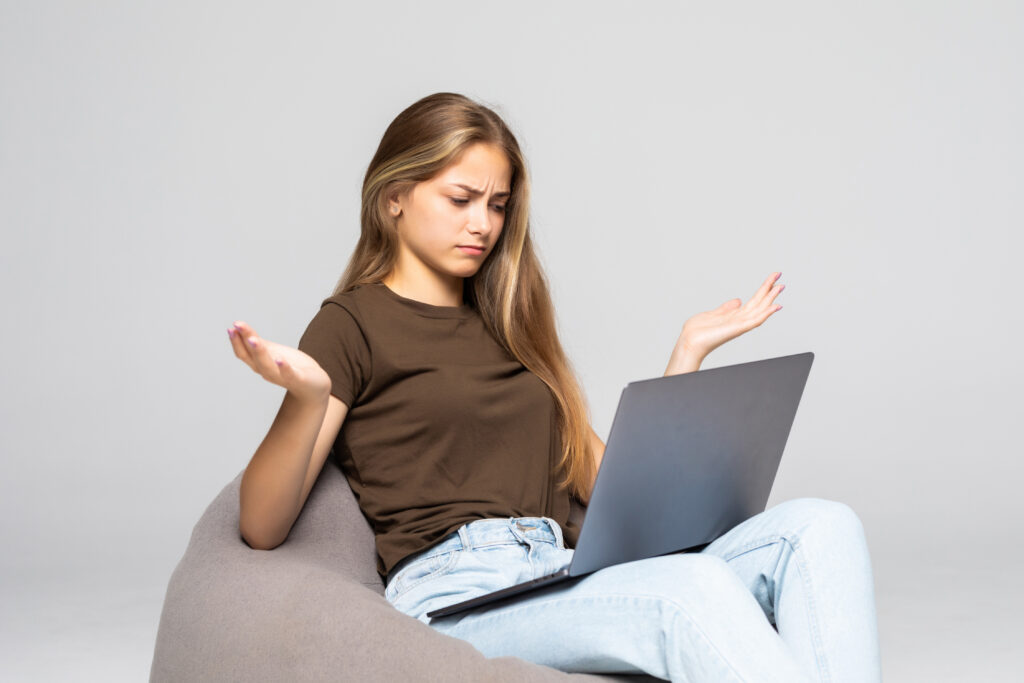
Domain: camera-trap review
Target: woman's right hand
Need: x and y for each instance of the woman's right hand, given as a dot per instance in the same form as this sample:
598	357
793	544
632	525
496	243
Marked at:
281	365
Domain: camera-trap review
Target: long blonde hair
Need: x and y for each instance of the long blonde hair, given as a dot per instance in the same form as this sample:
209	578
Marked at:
510	290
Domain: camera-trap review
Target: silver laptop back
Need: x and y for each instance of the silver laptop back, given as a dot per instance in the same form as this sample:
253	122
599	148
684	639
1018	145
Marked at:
689	457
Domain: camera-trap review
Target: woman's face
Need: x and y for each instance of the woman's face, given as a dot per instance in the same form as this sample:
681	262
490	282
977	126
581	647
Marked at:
463	206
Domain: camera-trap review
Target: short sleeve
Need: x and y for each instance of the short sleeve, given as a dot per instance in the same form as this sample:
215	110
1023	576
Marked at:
335	341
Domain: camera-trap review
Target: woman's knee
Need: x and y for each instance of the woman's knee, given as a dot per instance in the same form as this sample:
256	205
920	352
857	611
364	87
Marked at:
822	512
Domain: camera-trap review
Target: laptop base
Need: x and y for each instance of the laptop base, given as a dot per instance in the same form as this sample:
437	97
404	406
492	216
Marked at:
558	577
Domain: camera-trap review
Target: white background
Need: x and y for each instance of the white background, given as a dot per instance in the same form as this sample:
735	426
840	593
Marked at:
168	169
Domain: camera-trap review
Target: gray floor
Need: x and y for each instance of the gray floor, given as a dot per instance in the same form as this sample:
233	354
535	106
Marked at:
940	621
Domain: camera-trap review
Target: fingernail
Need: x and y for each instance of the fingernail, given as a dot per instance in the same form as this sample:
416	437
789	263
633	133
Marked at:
231	333
252	341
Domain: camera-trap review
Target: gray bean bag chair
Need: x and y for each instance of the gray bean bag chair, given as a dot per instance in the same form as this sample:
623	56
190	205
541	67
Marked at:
312	609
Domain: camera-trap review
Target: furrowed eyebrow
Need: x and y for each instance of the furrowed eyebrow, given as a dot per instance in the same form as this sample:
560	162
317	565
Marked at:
470	190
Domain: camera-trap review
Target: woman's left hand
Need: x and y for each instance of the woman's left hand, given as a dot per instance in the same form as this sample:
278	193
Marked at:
706	331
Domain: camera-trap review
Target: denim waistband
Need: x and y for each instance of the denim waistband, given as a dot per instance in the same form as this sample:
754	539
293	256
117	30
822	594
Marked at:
493	531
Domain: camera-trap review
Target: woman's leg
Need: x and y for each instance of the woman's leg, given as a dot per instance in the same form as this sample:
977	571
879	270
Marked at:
682	617
806	562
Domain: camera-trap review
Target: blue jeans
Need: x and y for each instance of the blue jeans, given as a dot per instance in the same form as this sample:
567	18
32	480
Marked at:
787	595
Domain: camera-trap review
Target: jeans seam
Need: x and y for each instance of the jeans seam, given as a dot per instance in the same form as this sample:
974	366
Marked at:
494	544
439	571
805	579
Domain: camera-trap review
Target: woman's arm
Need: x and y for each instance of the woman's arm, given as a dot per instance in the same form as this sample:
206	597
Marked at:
284	468
281	474
683	360
702	334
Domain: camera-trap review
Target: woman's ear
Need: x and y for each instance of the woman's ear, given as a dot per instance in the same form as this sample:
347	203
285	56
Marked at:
394	202
395	196
394	208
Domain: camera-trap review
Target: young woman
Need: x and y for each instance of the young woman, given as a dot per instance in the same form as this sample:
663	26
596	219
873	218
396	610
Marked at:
466	433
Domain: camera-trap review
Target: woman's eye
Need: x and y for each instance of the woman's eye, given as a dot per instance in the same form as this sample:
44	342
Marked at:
458	201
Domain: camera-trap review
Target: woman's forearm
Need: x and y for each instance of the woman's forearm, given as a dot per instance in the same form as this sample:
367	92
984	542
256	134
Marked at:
272	485
683	360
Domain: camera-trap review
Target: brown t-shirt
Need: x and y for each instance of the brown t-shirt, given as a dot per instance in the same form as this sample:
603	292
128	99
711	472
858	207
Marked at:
444	426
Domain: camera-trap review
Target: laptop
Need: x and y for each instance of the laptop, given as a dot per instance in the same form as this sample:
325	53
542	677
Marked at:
688	458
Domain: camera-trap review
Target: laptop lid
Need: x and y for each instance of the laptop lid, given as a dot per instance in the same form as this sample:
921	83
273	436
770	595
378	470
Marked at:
689	457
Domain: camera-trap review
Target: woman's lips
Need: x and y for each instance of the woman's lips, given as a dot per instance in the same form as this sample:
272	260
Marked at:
471	250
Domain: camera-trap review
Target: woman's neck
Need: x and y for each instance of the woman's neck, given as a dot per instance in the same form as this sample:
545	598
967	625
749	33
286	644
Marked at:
431	291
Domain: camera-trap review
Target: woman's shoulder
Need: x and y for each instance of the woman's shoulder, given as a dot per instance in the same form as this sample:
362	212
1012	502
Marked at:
339	318
352	299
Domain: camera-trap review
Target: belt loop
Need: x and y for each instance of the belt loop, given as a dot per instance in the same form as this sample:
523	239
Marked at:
464	537
557	530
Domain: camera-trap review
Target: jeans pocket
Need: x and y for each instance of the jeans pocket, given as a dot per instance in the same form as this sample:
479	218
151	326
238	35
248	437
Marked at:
419	571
